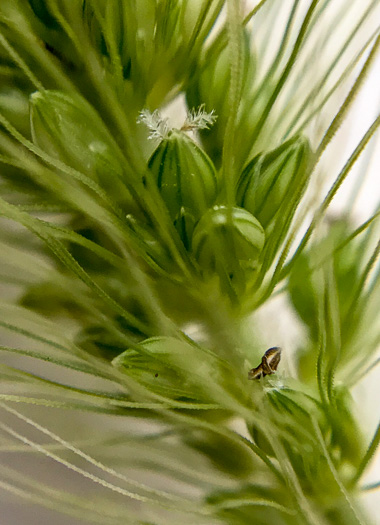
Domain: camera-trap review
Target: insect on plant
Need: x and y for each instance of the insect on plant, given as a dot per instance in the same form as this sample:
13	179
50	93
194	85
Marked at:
268	365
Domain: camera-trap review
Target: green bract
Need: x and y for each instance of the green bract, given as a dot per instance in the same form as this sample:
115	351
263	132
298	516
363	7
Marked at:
101	28
149	245
228	242
186	178
271	180
43	15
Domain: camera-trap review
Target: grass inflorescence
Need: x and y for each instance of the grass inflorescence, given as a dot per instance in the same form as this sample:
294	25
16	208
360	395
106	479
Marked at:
136	254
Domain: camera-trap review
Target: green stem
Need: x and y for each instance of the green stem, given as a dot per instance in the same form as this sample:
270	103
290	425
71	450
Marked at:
368	456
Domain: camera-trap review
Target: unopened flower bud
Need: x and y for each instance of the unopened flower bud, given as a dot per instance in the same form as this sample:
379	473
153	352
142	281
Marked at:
270	180
68	128
191	13
185	176
211	84
228	242
175	368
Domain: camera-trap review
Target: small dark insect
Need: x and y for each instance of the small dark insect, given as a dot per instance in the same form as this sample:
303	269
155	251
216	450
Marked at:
268	365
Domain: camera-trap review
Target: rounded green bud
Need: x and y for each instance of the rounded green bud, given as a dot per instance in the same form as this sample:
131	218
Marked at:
68	128
270	180
186	178
176	368
228	242
151	368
